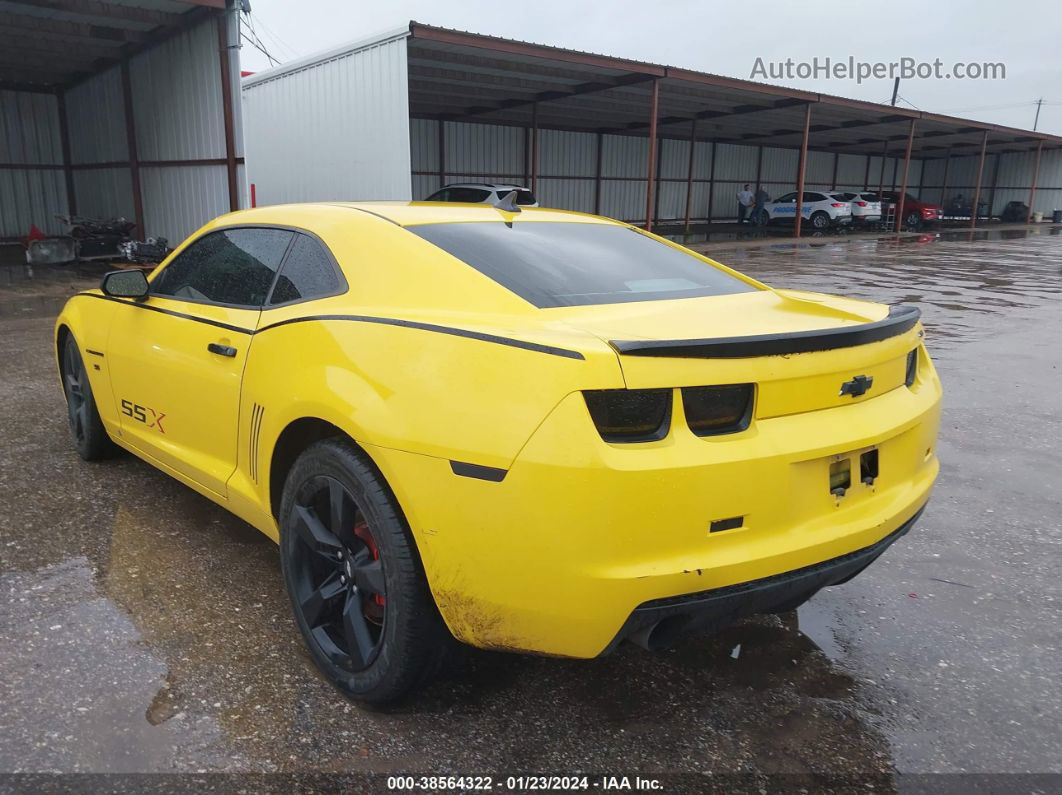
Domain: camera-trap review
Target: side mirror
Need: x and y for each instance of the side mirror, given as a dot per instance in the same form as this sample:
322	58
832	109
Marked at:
125	284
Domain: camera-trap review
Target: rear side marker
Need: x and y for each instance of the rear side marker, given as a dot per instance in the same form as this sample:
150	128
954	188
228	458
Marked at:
493	474
719	525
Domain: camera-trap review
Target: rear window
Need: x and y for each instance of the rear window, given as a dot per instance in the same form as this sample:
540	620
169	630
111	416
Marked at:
554	264
523	196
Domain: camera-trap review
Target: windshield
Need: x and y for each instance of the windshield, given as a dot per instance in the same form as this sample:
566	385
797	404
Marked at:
554	264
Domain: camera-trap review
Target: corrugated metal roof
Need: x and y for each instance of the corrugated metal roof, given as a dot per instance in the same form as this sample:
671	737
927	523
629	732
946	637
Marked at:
55	43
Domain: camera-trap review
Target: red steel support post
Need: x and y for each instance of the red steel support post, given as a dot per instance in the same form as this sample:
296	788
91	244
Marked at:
881	176
134	160
802	168
227	112
64	142
597	174
534	149
1032	189
977	190
711	183
689	173
442	153
650	177
906	167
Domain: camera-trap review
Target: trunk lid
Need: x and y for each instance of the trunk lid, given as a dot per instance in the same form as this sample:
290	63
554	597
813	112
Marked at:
798	348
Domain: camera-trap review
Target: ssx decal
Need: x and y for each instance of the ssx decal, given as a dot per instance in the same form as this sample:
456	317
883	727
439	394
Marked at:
144	414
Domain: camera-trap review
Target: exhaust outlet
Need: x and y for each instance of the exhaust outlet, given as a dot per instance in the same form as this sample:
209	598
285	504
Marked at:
661	634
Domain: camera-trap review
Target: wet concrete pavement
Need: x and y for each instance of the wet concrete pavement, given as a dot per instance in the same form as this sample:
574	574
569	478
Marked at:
142	628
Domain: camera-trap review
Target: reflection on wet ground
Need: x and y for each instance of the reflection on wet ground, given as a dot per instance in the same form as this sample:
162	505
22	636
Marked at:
144	629
952	278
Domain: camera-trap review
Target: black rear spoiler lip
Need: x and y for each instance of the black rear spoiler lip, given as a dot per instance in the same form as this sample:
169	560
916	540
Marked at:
901	318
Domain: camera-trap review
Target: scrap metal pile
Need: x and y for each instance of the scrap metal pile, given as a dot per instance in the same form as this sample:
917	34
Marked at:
92	239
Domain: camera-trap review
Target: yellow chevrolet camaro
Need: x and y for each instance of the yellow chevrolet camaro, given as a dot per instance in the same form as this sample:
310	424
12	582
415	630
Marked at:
535	431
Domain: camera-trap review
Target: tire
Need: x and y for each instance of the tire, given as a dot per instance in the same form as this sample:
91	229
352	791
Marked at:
759	217
820	220
86	427
358	592
912	219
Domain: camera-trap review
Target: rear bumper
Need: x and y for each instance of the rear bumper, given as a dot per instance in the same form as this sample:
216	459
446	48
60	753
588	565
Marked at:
557	553
658	622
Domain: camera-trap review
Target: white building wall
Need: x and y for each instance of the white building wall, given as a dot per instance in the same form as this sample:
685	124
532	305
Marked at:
331	128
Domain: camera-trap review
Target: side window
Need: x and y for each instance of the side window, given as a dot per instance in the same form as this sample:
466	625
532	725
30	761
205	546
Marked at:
810	196
231	266
789	197
307	273
439	196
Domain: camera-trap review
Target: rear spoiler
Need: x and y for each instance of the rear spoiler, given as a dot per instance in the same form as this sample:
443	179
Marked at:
900	319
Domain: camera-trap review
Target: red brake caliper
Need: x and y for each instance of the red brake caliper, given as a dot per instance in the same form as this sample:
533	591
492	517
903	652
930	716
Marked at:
361	530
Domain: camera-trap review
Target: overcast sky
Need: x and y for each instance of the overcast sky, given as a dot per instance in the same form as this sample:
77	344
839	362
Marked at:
727	38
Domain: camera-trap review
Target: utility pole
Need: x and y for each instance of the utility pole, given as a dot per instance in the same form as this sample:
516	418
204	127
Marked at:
1036	121
896	91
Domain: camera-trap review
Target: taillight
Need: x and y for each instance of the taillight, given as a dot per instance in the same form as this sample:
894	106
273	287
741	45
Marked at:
837	204
912	367
712	410
630	415
861	204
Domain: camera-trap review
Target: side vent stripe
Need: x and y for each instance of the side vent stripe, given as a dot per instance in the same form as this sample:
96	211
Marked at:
255	433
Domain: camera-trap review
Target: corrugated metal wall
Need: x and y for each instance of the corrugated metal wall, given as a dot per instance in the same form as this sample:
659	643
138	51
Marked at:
178	117
568	164
347	116
1002	183
29	136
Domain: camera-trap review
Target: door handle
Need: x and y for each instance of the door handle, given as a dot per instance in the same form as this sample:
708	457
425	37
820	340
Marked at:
221	350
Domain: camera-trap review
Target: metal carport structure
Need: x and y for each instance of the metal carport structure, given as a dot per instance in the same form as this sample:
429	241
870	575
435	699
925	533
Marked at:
456	76
398	115
118	107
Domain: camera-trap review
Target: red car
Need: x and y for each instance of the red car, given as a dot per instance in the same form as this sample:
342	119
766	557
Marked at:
915	212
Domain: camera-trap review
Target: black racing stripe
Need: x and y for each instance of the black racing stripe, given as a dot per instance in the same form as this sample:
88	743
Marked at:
900	319
458	332
209	322
387	321
493	474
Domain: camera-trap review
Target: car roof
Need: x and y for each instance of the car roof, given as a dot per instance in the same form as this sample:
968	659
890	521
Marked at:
402	213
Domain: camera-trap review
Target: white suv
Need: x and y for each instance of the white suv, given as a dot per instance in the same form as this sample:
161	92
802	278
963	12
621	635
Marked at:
483	193
821	210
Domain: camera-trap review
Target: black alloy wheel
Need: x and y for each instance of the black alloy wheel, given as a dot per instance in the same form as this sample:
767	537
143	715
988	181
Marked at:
86	427
338	577
353	573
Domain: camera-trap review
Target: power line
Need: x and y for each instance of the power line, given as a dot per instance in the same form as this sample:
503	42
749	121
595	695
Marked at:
279	42
254	44
257	43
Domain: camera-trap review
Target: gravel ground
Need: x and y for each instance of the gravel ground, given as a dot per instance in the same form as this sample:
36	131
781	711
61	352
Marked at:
144	629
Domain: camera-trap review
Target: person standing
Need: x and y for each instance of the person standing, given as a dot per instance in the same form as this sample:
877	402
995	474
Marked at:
759	210
744	197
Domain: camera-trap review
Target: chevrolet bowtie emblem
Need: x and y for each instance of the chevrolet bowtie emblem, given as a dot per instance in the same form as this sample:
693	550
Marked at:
859	385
